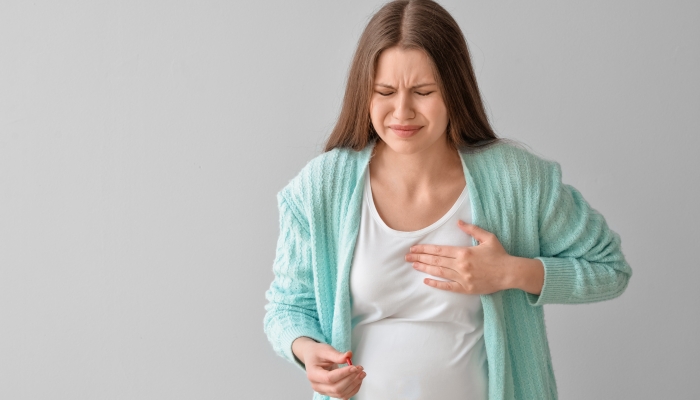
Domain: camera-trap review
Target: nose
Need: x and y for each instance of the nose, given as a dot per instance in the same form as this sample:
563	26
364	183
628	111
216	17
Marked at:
403	108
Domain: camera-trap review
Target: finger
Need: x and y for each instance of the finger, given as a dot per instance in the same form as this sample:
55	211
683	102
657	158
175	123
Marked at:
358	384
346	385
338	388
339	374
429	259
481	235
442	272
435	249
320	373
444	285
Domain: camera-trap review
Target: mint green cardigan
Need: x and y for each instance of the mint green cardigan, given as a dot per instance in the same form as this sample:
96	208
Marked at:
514	194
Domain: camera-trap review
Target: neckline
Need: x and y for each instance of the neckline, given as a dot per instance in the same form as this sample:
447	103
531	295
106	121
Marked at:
378	219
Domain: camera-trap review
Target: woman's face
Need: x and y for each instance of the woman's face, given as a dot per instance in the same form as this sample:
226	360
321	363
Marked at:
406	108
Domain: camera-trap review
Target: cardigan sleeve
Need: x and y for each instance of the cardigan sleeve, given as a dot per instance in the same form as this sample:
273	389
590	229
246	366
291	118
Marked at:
582	257
291	308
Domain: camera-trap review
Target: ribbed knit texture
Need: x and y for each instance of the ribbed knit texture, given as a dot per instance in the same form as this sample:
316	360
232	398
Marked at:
514	194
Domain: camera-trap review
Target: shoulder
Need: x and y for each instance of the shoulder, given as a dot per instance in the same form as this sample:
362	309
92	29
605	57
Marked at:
509	169
506	152
324	174
508	158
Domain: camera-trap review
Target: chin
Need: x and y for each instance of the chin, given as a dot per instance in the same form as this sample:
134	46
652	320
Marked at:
407	146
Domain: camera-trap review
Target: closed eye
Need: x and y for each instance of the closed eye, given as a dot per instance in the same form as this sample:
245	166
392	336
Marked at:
418	93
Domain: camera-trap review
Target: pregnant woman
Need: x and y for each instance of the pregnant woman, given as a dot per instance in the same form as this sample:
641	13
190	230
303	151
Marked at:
422	247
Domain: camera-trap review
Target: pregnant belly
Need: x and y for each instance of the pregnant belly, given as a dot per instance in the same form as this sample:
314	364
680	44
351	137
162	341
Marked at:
411	360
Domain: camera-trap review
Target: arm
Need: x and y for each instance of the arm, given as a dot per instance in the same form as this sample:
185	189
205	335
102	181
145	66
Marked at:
482	269
581	256
291	309
291	321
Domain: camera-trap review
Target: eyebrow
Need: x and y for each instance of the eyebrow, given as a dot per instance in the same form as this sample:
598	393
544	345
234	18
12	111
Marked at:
386	85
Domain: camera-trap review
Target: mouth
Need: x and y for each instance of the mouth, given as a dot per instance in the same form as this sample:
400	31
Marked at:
405	131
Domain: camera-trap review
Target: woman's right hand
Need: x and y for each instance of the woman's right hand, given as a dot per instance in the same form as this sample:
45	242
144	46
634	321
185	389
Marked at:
322	370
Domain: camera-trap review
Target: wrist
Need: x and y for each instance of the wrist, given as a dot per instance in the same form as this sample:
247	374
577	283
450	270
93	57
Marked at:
299	346
524	273
511	278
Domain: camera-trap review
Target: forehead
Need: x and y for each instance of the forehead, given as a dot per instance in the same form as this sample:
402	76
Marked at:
408	66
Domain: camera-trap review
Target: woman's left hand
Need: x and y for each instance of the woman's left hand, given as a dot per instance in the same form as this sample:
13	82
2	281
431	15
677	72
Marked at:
481	269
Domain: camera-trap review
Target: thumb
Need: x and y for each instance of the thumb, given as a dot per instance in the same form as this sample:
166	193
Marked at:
331	354
479	234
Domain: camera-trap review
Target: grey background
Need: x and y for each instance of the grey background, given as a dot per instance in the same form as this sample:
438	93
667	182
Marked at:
142	145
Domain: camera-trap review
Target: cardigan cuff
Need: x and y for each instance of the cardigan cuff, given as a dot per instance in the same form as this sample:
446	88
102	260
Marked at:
559	278
291	334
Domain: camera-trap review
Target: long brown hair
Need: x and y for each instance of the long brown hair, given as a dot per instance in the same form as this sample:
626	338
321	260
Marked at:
427	26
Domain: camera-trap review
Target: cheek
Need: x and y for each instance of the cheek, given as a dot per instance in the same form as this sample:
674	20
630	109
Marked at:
377	112
437	112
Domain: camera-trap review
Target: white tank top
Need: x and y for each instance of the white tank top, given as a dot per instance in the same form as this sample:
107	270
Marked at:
414	341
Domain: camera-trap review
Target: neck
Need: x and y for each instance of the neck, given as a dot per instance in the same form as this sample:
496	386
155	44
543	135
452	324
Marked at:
418	171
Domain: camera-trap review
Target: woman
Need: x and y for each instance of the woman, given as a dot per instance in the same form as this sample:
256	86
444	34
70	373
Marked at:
421	245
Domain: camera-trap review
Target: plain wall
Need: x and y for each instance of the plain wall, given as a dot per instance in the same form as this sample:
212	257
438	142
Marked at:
142	145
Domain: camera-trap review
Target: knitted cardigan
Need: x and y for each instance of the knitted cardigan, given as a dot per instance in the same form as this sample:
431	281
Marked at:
514	194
